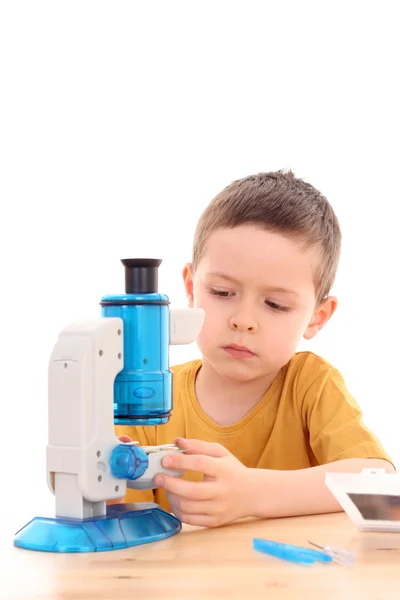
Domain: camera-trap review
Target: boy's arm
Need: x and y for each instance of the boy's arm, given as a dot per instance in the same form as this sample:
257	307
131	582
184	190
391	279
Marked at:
231	491
302	492
339	441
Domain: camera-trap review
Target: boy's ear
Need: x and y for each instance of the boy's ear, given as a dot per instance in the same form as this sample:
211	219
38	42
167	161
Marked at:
321	316
188	282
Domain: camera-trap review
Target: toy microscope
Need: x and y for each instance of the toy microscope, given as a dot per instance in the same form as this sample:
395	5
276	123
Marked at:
106	371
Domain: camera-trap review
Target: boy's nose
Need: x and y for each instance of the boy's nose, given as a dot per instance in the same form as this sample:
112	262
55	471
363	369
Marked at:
243	322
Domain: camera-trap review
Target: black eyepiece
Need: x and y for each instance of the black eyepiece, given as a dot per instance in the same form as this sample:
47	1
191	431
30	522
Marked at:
141	275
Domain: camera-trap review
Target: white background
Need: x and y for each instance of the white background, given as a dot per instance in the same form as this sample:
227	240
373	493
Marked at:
120	121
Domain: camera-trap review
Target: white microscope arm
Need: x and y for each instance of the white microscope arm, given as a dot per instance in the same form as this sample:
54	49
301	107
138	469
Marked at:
85	361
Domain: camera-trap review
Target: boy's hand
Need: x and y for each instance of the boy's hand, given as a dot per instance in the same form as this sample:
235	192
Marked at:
224	496
124	438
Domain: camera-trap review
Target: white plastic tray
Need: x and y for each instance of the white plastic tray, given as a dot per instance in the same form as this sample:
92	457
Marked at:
371	498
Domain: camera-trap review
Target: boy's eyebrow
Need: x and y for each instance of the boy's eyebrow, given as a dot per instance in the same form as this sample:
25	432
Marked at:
270	289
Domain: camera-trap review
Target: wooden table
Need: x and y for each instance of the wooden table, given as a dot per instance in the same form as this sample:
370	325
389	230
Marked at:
210	564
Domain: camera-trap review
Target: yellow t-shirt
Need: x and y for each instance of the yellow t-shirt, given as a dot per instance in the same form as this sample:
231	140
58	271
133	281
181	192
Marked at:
306	418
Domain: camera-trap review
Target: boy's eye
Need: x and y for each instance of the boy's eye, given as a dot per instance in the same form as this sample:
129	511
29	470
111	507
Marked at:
221	293
276	306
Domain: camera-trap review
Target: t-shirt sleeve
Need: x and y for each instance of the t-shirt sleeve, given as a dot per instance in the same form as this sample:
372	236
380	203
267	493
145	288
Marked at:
334	422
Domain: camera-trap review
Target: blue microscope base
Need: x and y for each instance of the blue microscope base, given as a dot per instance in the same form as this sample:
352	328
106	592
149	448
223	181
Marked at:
123	526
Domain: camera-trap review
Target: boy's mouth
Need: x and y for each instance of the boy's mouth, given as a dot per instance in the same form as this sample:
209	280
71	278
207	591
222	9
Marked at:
238	351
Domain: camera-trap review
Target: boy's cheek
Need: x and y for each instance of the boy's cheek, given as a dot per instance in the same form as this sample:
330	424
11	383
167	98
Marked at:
209	338
204	339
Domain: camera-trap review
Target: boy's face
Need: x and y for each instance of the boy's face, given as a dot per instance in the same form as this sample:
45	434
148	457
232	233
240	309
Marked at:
257	291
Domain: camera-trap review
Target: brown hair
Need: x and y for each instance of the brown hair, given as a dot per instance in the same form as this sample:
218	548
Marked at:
279	202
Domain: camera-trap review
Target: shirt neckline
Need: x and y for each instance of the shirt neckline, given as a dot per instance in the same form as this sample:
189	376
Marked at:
228	429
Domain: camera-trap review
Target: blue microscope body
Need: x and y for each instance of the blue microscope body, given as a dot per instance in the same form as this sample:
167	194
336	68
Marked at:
143	389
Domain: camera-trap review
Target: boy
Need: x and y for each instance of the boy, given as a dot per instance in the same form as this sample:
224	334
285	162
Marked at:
264	422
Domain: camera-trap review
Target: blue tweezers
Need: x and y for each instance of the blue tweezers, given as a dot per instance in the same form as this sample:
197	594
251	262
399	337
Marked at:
295	554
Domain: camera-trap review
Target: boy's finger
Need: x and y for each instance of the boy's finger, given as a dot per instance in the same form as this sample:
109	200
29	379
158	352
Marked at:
199	447
198	520
191	507
201	490
192	462
124	438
